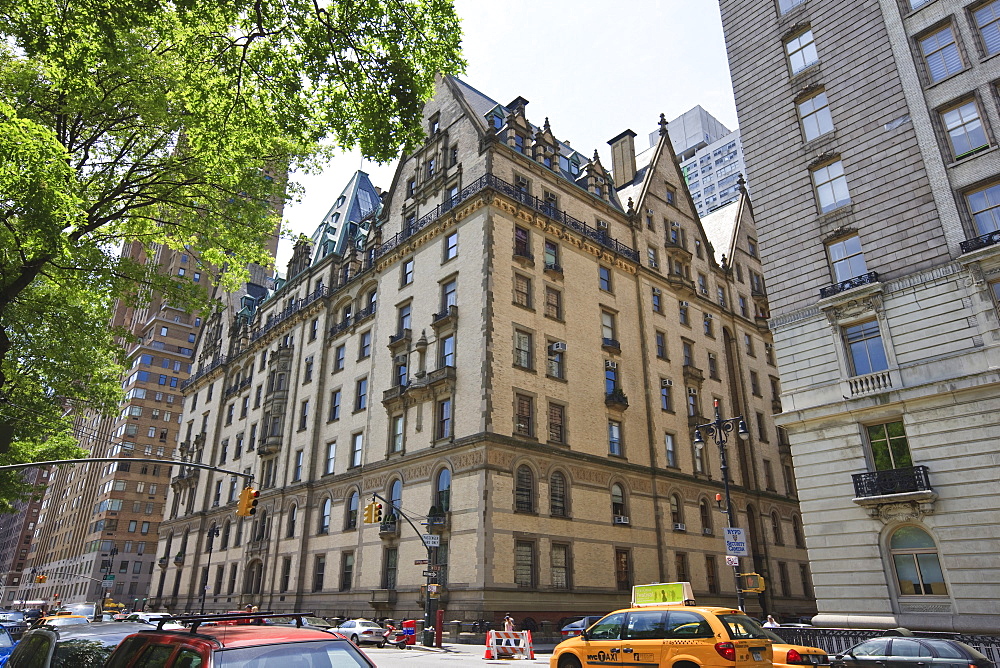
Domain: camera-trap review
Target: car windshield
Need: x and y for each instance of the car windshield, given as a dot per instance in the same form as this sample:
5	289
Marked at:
66	621
5	640
11	616
313	654
80	653
741	627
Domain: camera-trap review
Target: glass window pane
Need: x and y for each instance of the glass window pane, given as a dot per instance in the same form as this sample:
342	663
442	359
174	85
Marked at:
910	537
931	575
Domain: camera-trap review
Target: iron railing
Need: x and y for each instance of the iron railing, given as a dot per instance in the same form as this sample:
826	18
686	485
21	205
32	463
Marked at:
892	481
488	181
203	369
857	281
982	241
838	641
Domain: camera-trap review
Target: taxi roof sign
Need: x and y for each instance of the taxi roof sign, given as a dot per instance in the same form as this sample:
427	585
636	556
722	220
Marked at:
662	593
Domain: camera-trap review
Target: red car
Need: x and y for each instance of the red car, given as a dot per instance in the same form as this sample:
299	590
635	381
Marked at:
208	645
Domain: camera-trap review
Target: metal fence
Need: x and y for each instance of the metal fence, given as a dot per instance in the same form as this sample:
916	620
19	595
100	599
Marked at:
837	641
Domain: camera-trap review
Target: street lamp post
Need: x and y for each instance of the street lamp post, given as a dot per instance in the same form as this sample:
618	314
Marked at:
718	430
212	533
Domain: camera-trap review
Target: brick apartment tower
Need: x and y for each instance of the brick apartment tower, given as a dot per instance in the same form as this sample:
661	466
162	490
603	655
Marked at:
869	130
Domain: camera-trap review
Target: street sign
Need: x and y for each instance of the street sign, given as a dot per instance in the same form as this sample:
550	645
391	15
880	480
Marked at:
419	562
109	577
432	540
736	543
430	574
732	561
107	584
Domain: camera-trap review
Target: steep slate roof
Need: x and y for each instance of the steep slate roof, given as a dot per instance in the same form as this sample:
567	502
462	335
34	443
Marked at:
720	228
340	226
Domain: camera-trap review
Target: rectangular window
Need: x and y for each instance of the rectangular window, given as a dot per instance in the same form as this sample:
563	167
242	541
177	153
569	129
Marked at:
713	366
786	589
801	51
623	570
889	447
682	313
331	456
748	345
560	566
786	5
864	348
403	318
761	428
984	205
681	566
553	303
755	384
815	115
365	344
285	581
406	273
555	364
449	295
671	450
847	258
987	20
524	415
604	278
661	345
451	246
666	398
522	290
346	571
657	301
361	395
711	574
831	186
552	254
334	405
557	423
444	419
357	444
965	129
940	52
522	350
447	351
615	438
522	242
304	415
390	562
688	353
524	564
692	403
339	356
396	437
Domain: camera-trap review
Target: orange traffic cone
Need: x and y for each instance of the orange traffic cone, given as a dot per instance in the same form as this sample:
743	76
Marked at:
531	647
489	646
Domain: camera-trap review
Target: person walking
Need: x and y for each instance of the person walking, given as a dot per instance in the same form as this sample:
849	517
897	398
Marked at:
508	625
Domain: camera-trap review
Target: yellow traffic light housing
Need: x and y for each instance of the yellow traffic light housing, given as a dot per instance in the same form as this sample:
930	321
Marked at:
377	515
369	512
752	583
41	579
247	504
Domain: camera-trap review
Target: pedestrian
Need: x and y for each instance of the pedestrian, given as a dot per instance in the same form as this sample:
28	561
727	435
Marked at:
771	622
508	625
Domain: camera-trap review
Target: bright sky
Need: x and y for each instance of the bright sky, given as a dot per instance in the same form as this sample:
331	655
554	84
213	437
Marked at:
592	70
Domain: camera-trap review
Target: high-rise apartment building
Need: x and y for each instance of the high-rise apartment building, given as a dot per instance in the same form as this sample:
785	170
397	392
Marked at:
512	349
870	136
16	530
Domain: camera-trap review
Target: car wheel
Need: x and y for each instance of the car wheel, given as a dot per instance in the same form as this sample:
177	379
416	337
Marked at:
568	661
354	639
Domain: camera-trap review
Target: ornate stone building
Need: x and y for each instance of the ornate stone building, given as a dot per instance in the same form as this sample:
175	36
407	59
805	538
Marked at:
869	131
512	347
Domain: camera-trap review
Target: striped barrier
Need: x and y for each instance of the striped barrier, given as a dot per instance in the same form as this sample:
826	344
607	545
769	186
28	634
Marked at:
509	645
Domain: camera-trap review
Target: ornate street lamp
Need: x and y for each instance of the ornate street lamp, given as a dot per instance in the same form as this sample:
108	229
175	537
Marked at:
718	430
213	532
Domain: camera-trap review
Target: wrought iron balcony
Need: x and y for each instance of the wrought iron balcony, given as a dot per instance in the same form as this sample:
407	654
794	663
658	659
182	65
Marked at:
892	481
849	284
553	267
611	345
616	399
982	241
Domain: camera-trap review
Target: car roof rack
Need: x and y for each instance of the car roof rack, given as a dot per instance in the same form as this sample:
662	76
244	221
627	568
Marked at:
197	620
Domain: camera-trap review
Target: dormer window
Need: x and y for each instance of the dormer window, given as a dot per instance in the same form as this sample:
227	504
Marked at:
519	143
497	122
435	126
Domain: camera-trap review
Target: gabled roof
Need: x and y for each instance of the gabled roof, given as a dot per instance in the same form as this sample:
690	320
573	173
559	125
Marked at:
341	225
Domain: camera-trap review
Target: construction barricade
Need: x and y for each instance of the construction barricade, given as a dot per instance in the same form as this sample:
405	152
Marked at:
509	645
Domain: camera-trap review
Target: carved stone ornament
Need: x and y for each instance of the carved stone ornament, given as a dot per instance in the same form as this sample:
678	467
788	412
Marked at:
896	512
975	277
854	308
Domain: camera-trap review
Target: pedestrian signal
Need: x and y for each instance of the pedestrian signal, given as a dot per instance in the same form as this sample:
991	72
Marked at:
751	583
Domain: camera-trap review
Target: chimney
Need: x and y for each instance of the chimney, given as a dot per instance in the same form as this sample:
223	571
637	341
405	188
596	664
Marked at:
623	158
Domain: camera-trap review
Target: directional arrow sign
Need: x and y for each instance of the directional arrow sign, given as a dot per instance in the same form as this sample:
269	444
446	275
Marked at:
430	574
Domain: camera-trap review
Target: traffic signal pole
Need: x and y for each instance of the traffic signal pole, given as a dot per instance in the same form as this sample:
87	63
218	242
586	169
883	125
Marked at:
430	604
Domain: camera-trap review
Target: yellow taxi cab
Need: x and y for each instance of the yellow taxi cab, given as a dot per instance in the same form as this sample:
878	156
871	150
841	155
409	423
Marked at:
663	628
60	619
794	656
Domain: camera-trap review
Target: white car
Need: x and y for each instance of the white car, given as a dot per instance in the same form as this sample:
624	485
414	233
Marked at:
362	631
152	618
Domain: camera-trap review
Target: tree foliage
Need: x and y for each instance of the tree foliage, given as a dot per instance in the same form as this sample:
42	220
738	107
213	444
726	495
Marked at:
173	123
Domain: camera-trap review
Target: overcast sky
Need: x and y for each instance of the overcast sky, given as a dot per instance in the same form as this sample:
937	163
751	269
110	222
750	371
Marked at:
592	70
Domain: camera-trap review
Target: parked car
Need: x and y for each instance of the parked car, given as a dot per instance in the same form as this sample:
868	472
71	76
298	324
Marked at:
15	622
74	646
6	645
578	626
787	655
60	620
713	637
902	652
362	631
236	646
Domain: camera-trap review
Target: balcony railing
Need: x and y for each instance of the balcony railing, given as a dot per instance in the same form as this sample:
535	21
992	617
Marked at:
982	241
488	181
851	283
204	369
893	481
880	381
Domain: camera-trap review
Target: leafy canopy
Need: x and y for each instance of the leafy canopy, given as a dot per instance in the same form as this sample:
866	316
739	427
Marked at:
153	122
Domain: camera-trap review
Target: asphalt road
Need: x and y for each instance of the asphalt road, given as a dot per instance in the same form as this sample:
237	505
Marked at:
449	655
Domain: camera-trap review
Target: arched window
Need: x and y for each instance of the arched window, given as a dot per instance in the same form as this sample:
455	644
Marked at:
776	528
254	577
443	500
557	495
618	508
259	529
797	531
227	529
372	300
324	516
706	517
351	521
293	512
524	490
915	558
395	497
676	510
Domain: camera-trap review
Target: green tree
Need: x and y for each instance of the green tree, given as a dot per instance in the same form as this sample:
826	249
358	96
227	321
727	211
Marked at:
174	123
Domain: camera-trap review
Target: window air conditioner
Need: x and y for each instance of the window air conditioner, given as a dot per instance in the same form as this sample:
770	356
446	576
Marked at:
608	364
653	264
706	531
399	359
708	316
693	391
674	223
656	291
621	519
666	382
559	347
680	526
602	225
685	304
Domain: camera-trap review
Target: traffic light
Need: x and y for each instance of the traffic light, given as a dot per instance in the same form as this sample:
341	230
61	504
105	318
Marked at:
41	579
247	504
377	515
369	512
751	583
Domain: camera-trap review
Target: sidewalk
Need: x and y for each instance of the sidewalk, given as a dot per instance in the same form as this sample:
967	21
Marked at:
461	648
